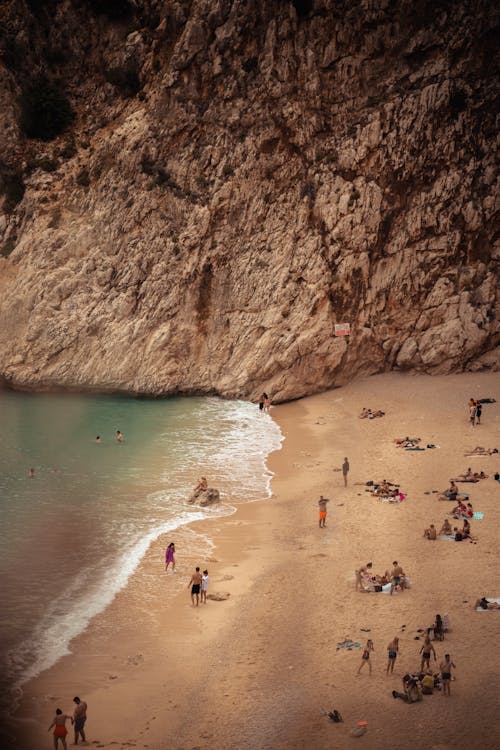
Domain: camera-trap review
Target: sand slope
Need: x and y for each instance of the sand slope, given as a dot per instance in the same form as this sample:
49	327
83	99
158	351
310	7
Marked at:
254	672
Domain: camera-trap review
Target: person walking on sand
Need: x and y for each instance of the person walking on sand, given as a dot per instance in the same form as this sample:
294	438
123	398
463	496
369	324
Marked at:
262	401
446	666
322	511
392	655
365	656
426	651
267	404
204	587
397	573
60	731
479	411
79	718
170	556
345	470
195	584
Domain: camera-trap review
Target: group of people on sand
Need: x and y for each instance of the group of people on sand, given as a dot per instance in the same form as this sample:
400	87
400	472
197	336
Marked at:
369	414
77	718
424	681
386	490
366	580
447	530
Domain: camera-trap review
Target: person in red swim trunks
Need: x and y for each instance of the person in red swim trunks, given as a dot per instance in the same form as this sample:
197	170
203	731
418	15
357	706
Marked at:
60	731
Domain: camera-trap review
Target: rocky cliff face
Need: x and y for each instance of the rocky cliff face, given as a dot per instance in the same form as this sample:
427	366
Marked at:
240	176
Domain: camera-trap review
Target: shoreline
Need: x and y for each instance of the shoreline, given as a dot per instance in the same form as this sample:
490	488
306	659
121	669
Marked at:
293	590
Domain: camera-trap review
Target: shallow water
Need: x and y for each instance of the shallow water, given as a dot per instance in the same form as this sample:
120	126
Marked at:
72	534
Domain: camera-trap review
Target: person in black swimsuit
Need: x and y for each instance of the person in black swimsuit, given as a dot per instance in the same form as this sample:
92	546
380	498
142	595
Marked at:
446	666
426	651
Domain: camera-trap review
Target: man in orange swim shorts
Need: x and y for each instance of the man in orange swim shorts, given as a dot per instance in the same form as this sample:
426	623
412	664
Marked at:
322	511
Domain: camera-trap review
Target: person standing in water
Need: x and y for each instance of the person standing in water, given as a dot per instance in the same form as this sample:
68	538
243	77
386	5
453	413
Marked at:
119	436
345	470
60	731
170	556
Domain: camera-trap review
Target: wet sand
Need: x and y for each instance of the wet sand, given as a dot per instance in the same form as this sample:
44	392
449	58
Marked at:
254	671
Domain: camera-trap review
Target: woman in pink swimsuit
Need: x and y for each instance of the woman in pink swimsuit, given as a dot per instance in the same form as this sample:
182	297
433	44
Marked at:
169	556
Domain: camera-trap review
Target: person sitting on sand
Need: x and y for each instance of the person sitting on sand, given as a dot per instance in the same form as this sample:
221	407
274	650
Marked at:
430	533
451	493
412	692
427	683
446	528
466	529
460	510
202	485
483	603
364	413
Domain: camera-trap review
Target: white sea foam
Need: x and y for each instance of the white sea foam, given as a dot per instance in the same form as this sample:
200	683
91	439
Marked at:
232	441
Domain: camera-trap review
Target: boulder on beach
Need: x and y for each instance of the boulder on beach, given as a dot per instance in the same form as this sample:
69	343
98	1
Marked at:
205	497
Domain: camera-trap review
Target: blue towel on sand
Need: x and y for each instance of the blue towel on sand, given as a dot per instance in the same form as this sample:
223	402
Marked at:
478	516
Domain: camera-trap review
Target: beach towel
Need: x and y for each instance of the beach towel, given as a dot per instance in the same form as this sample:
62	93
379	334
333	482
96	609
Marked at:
478	515
415	449
348	645
446	538
490	599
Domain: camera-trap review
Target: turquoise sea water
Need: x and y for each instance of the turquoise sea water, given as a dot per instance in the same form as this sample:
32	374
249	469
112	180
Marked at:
72	534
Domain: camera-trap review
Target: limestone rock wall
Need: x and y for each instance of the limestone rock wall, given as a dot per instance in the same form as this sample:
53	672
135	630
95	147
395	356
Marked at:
240	176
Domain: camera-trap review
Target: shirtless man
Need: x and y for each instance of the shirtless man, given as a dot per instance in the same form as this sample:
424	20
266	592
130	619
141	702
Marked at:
446	528
430	533
446	666
195	584
119	436
392	654
397	573
426	650
322	511
79	718
60	731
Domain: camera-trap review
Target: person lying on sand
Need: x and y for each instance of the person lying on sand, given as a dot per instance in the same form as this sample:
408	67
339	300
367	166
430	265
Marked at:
431	532
483	603
479	451
365	413
407	442
412	692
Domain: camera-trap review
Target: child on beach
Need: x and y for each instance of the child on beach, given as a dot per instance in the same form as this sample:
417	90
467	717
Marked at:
204	587
365	656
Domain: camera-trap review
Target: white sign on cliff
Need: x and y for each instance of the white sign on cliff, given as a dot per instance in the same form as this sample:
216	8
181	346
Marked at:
342	329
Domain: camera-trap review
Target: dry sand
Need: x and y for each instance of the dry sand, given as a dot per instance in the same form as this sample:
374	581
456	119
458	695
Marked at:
253	672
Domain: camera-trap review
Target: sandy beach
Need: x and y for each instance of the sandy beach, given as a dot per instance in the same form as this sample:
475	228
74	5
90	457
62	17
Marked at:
255	671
